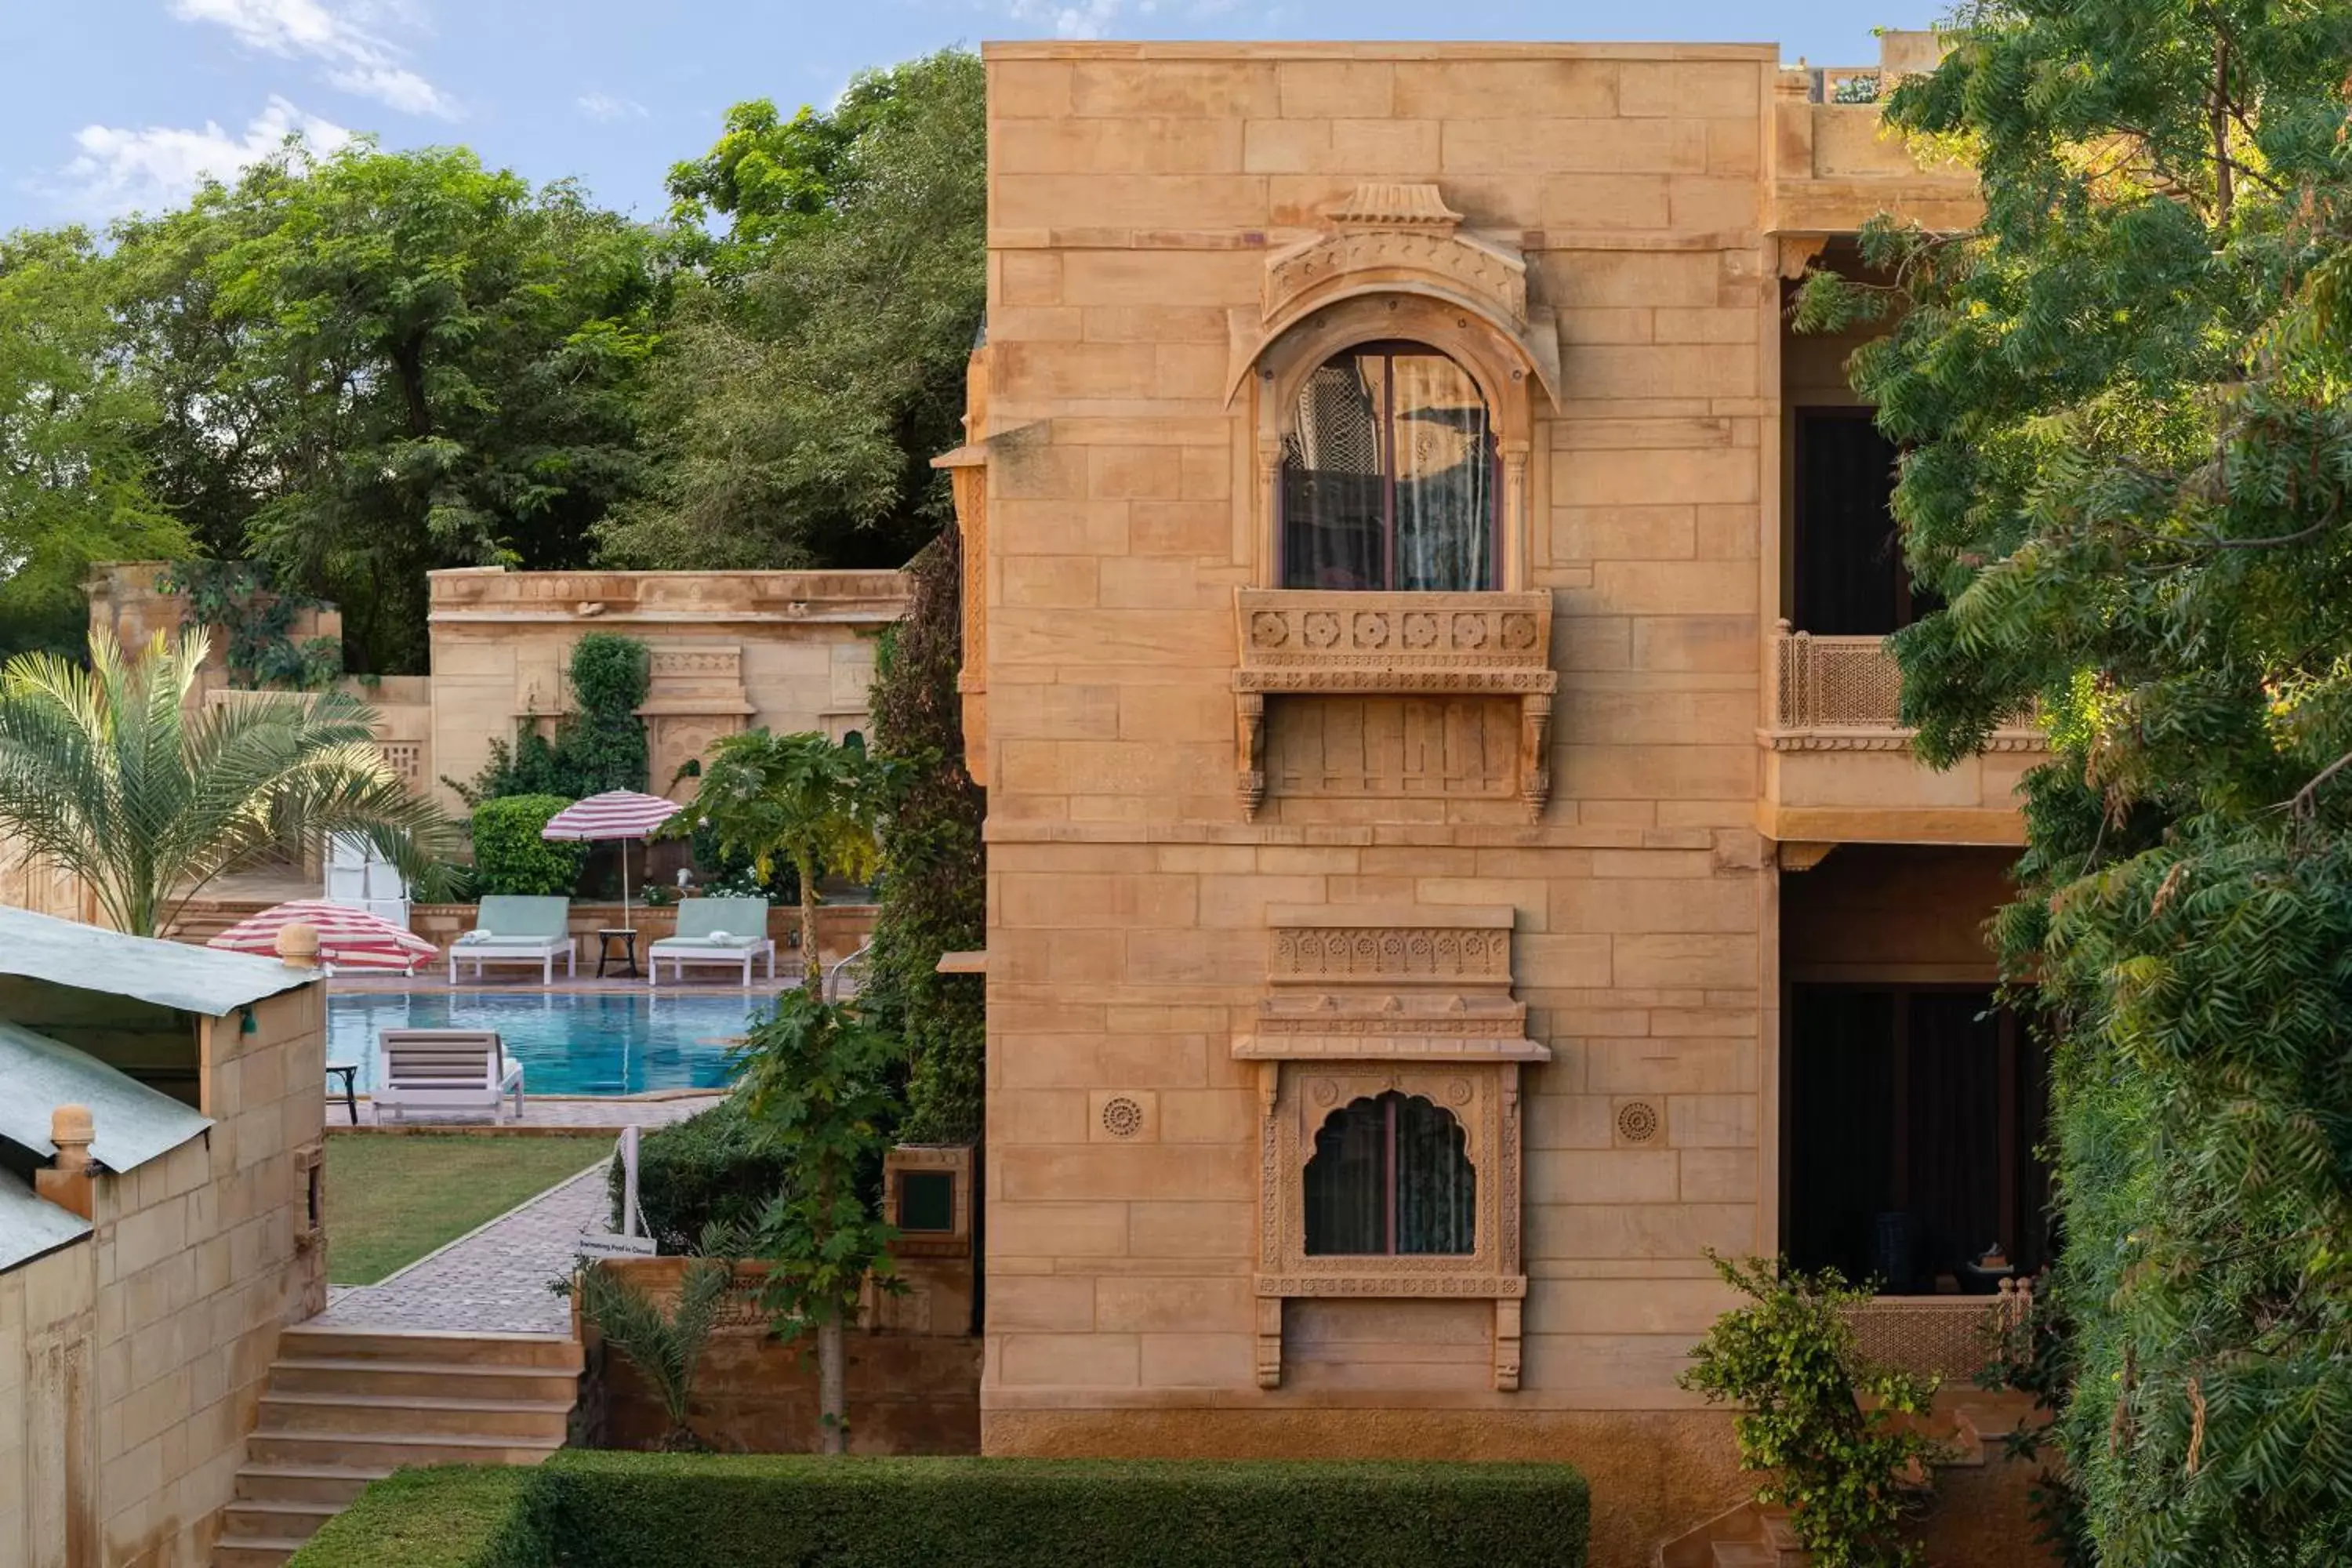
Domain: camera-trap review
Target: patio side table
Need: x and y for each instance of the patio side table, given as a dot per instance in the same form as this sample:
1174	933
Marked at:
350	1073
628	940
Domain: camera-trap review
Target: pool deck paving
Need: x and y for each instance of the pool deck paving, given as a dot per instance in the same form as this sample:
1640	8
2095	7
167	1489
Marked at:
586	1113
493	1280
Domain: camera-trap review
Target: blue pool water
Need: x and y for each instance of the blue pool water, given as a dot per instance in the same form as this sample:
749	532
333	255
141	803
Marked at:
582	1042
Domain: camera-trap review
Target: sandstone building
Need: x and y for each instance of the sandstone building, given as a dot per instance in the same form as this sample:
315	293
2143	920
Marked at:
1452	857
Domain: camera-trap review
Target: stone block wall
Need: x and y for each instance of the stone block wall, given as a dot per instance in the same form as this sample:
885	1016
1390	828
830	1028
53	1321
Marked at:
1176	231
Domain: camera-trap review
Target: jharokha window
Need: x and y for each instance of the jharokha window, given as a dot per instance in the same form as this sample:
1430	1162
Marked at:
1388	476
1390	1177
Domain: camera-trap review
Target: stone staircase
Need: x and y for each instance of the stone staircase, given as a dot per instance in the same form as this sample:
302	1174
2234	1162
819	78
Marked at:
345	1407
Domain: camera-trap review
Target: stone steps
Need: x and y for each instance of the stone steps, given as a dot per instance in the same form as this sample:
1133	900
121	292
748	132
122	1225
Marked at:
344	1408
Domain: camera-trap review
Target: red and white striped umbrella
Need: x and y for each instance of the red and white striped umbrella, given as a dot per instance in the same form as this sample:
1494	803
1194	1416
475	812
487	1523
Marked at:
615	814
348	938
621	814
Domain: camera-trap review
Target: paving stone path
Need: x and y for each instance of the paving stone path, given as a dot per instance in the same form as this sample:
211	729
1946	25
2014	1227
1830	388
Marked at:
493	1281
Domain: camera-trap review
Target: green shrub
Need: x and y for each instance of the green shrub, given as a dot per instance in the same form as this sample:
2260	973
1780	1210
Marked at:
450	1516
510	857
710	1168
601	743
590	1510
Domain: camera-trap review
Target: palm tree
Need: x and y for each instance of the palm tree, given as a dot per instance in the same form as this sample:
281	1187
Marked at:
108	773
801	798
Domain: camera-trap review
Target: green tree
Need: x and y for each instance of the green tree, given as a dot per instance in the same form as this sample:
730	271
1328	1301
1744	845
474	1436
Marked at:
1789	1359
815	366
379	363
800	799
815	1078
2124	404
934	869
664	1341
108	772
73	425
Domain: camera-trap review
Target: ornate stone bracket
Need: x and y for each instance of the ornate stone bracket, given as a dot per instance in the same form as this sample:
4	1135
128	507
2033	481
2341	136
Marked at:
1319	642
1360	1003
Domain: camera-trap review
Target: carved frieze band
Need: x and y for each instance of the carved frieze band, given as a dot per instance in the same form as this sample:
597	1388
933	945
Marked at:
1309	641
1391	954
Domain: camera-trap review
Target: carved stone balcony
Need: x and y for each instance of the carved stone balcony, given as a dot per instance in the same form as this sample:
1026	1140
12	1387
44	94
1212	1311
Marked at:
1324	642
1838	764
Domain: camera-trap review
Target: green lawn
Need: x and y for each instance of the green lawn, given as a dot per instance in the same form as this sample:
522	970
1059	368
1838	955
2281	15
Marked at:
391	1200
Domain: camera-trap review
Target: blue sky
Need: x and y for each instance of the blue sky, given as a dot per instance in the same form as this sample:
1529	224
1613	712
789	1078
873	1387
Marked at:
117	104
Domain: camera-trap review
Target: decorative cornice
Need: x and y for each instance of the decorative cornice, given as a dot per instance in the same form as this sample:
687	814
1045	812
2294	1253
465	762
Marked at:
2008	741
1424	1276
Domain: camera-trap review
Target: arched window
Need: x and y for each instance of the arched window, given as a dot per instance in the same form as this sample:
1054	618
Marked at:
1390	1177
1389	475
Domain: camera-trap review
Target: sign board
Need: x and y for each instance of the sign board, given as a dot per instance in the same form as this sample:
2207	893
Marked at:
608	1244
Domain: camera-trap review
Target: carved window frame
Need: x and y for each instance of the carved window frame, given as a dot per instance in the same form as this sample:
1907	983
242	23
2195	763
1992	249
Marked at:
1360	1003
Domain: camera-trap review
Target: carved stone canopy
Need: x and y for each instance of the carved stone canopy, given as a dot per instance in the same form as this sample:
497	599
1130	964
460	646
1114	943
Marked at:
1400	238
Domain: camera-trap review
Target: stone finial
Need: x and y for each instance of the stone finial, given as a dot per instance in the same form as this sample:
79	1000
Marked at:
66	1182
297	945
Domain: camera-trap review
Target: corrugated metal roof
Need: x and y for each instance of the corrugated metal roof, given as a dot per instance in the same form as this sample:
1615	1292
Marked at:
168	973
133	1123
30	1225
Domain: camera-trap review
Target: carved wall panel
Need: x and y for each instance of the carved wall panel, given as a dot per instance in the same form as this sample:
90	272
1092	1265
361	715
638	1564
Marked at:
1391	747
1326	643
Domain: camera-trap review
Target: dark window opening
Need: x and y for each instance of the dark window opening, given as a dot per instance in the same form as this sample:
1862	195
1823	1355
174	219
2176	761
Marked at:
1914	1116
1389	476
1390	1176
926	1201
1850	579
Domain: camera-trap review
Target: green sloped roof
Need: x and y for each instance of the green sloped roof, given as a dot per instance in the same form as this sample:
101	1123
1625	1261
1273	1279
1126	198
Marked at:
133	1123
30	1225
168	973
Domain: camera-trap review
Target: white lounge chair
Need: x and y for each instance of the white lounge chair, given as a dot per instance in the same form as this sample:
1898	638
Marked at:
517	929
444	1069
714	930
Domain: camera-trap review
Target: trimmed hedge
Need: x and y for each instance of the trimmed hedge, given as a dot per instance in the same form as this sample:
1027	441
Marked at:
587	1510
450	1516
510	857
709	1166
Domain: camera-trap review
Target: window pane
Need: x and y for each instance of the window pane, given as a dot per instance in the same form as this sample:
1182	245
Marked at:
1444	477
1346	1182
1437	1192
1334	503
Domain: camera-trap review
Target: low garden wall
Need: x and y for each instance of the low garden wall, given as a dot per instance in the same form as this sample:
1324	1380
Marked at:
627	1511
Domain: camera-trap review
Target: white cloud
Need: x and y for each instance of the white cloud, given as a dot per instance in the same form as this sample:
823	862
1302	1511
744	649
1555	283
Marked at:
604	106
122	170
1081	20
364	62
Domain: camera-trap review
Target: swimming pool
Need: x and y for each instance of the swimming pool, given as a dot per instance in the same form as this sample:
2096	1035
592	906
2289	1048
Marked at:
576	1042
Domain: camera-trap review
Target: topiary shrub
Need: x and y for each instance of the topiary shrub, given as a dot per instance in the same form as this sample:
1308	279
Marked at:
710	1169
510	857
601	744
589	1509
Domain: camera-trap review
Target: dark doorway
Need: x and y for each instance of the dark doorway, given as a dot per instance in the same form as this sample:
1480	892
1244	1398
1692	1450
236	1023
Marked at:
1915	1111
1850	579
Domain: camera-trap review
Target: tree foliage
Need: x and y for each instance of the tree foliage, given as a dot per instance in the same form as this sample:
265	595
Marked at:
934	896
2124	402
1789	1359
815	1078
73	425
800	800
510	857
814	366
108	773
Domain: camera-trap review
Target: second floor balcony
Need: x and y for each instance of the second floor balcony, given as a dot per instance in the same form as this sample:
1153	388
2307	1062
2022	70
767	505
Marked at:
1838	763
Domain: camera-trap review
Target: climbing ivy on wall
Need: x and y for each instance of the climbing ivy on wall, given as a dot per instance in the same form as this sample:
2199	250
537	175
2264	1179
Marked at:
600	745
934	872
252	625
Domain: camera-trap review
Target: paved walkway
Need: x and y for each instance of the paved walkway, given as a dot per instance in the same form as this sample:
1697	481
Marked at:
493	1281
